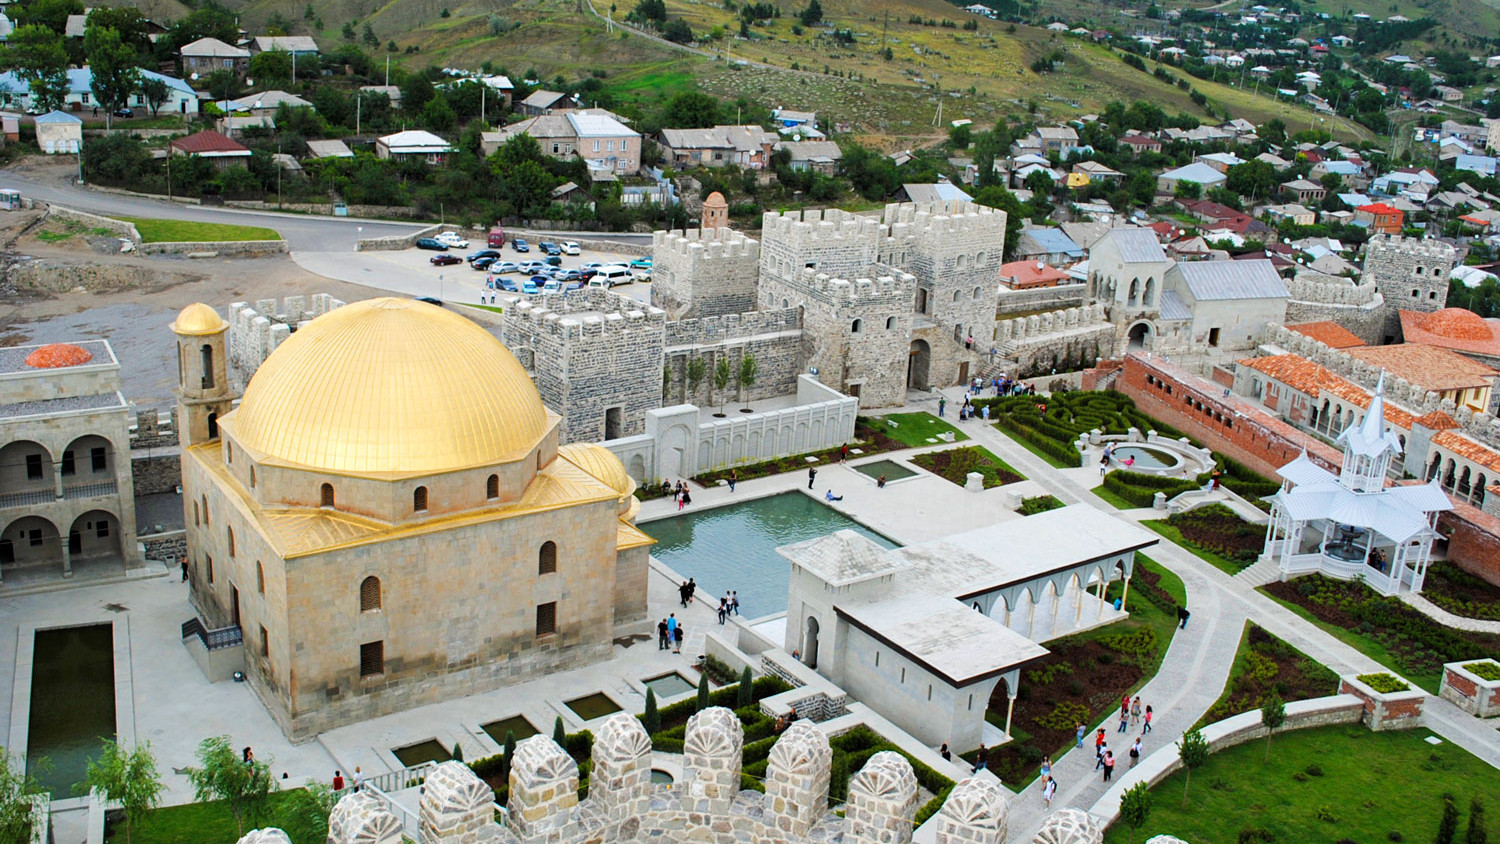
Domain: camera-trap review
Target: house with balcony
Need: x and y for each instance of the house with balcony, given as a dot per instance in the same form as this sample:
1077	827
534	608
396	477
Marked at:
67	505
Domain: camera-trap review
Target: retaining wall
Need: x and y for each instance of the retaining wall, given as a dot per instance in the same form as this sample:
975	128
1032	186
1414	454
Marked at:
221	247
397	242
1473	694
157	474
119	228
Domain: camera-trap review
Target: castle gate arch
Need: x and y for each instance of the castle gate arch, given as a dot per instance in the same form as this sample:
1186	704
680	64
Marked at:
1139	336
918	361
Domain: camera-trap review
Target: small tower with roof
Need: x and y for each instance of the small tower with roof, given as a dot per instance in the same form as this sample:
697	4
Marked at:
715	212
1368	447
203	392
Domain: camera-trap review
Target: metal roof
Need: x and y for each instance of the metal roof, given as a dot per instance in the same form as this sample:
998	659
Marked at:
1253	279
1053	241
1195	172
936	192
1173	308
599	126
1136	245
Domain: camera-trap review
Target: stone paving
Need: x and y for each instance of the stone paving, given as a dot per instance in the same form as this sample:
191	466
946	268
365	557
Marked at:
1442	616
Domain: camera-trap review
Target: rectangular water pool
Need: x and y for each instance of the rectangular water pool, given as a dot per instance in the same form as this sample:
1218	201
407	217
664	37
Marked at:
72	704
431	750
596	705
734	547
668	685
890	469
516	725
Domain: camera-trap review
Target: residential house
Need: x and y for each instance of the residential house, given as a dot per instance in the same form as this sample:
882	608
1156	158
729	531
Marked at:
1380	217
391	92
1197	173
1219	218
1141	143
786	118
500	85
222	150
1304	190
1448	94
10	126
1026	275
569	193
234	126
76	26
265	103
1473	133
594	135
59	132
742	146
1295	213
1048	245
329	149
413	144
1409	181
543	102
821	156
1277	162
1484	165
1094	172
1220	161
207	55
181	99
1349	173
301	46
1062	140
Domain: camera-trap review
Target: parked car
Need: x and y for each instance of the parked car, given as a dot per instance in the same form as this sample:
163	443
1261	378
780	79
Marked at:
446	260
431	301
482	264
587	273
533	267
533	284
591	265
496	237
549	247
507	285
453	239
502	267
520	245
431	243
571	248
124	112
554	260
611	276
641	264
569	275
483	253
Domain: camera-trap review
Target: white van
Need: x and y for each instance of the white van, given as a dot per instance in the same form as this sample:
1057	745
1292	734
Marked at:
611	275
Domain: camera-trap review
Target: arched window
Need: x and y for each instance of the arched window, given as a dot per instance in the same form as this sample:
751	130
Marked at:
213	426
230	533
369	594
963	261
205	511
207	355
492	487
195	514
419	499
958	333
1419	270
547	558
890	323
327	495
1415	293
229	453
260	578
856	326
956	294
976	294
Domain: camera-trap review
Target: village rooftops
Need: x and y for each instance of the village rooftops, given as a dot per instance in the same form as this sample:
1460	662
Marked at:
210	144
1458	329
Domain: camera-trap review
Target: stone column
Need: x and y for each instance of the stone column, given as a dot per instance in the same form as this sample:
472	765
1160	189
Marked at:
712	753
974	813
543	788
1069	826
360	818
797	780
457	806
266	836
882	801
620	785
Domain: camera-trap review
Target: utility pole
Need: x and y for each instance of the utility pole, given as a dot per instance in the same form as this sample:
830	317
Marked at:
359	101
387	71
885	27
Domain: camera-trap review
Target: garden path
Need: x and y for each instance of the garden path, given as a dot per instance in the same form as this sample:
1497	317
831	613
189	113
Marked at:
1197	662
1442	616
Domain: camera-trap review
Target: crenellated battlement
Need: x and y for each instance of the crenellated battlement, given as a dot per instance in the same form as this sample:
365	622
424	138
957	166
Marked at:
255	331
924	220
581	314
1416	247
729	327
828	288
1331	290
705	805
693	246
821	225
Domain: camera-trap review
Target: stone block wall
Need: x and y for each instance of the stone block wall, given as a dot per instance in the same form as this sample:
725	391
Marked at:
152	475
255	330
167	547
704	272
220	247
1386	710
773	337
118	228
1411	274
1473	694
1038	343
882	801
830	241
954	249
1040	298
1318	298
594	356
153	429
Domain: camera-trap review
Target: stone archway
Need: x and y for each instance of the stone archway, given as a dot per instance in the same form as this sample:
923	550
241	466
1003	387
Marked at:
1139	336
918	362
810	643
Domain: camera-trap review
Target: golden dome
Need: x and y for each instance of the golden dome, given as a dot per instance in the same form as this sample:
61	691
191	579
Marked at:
390	387
199	318
602	464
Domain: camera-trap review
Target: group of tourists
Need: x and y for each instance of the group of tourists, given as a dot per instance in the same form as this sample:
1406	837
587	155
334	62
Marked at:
1109	455
729	605
669	634
1132	714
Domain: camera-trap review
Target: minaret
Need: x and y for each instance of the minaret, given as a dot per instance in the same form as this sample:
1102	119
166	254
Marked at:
715	212
1368	447
203	394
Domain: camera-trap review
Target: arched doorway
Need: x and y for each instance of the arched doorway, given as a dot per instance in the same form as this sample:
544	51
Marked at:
810	643
30	541
95	535
1139	336
917	363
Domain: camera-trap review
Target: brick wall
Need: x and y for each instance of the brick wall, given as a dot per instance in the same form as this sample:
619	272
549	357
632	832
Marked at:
1473	541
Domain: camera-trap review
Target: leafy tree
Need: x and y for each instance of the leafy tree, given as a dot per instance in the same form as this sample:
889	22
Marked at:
691	110
697	369
649	11
745	695
510	752
303	813
415	92
559	735
17	811
115	159
1193	749
458	752
1476	833
1135	806
245	787
134	29
1448	826
651	719
746	376
271	65
53	14
1188	190
39	58
347	32
1252	179
1272	716
127	778
678	31
702	691
812	15
211	21
368	36
996	196
872	174
1039	183
723	374
222	84
115	75
157	92
438	115
960	136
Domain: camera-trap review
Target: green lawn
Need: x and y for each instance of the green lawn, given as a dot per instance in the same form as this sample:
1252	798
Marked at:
1222	563
1114	501
213	823
1429	681
492	308
183	231
1369	787
916	429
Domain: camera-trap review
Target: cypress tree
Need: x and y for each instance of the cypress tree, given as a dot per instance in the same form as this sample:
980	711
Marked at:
703	691
746	694
558	734
652	719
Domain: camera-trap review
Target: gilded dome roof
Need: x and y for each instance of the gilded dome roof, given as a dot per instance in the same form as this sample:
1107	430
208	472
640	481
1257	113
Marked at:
56	355
1458	324
602	464
390	387
199	318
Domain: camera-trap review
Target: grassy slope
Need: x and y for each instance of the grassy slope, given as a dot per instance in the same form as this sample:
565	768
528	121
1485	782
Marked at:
179	231
1373	784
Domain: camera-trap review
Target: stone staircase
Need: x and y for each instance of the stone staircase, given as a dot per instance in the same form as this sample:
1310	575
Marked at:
1262	572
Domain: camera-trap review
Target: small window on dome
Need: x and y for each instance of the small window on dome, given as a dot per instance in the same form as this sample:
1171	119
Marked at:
419	499
492	487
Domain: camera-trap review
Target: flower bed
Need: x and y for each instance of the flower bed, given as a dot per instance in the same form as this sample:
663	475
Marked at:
1399	636
1216	528
1039	504
1461	593
1386	684
1265	664
955	464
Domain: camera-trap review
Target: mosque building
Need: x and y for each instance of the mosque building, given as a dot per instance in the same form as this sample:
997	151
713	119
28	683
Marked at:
388	518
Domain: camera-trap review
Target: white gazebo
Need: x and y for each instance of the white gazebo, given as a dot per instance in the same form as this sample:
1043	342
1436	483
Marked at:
1352	526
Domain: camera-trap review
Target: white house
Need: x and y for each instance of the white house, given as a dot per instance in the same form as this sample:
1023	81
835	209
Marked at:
57	133
413	143
180	96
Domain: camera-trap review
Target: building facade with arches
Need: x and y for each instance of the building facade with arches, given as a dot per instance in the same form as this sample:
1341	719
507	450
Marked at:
387	457
66	500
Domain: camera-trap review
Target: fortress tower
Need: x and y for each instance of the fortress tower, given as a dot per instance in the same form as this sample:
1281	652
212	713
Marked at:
704	272
203	393
1411	274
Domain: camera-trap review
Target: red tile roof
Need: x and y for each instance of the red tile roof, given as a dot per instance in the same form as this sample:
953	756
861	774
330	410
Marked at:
1467	449
1428	367
1329	333
209	141
1303	375
1437	421
1453	328
1379	208
1024	274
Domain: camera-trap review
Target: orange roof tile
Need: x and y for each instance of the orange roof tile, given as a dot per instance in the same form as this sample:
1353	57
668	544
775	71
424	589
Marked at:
1437	421
1329	333
1452	328
56	355
1467	449
1428	367
1303	375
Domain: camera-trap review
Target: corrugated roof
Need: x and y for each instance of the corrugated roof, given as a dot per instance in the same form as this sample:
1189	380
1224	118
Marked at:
1254	279
937	192
1173	308
1195	172
1137	245
214	48
598	126
1053	241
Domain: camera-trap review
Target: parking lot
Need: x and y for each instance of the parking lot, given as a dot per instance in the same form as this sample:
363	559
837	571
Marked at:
410	272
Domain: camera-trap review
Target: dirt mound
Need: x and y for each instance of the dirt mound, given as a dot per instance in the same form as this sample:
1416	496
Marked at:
53	275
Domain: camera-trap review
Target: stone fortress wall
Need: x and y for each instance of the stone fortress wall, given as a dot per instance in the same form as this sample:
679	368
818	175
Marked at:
1317	297
704	272
256	330
1411	274
773	338
857	330
1040	341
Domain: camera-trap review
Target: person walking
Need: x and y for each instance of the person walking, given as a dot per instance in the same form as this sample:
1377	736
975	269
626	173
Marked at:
671	628
683	593
982	760
1135	752
359	778
1046	768
1048	790
734	601
1135	711
942	405
1104	464
1100	749
945	752
1124	720
692	587
661	635
1182	618
1080	731
812	475
1147	728
843	452
677	640
734	477
1109	765
184	568
724	613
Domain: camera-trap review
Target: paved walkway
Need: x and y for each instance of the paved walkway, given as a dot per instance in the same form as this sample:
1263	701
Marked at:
1442	616
1197	663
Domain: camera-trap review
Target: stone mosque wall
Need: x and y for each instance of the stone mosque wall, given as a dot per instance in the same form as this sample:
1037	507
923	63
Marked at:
707	805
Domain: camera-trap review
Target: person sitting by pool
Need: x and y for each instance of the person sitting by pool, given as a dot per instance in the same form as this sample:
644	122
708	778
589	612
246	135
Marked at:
1129	461
831	497
881	482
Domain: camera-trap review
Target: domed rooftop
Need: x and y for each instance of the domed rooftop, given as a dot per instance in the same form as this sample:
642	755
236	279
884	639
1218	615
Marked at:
715	200
390	387
57	355
1458	324
199	318
602	464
